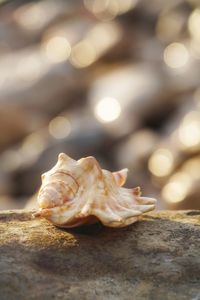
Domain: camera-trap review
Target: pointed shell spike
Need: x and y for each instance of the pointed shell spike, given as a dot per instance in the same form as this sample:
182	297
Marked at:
121	176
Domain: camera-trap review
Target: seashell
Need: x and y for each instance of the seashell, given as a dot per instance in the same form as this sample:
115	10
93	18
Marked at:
74	193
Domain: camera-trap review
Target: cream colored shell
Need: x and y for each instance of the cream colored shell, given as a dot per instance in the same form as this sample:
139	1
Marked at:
74	193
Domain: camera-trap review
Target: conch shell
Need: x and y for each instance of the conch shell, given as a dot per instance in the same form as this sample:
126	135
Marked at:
74	193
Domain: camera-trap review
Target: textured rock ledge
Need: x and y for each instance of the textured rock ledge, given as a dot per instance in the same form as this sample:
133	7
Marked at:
156	258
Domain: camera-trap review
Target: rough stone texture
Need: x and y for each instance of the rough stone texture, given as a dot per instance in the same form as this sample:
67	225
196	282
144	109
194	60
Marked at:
156	258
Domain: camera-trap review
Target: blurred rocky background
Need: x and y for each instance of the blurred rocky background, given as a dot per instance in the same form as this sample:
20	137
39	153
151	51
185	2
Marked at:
116	79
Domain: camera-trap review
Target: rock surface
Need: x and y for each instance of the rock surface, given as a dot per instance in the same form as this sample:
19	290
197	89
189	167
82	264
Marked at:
156	258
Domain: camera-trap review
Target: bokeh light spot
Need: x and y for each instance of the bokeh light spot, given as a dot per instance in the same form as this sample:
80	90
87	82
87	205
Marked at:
194	24
189	131
57	49
107	110
177	188
176	55
161	163
59	127
83	54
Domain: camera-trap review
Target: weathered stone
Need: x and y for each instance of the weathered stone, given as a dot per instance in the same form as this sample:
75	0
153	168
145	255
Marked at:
156	258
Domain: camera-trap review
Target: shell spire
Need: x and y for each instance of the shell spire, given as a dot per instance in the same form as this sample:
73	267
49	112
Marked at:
74	193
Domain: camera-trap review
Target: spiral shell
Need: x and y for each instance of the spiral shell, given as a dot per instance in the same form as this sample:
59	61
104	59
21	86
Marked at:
74	193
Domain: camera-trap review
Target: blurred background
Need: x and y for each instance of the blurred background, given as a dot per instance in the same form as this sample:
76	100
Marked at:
116	79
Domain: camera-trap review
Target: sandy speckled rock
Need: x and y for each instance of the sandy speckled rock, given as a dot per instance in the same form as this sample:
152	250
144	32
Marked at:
156	258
